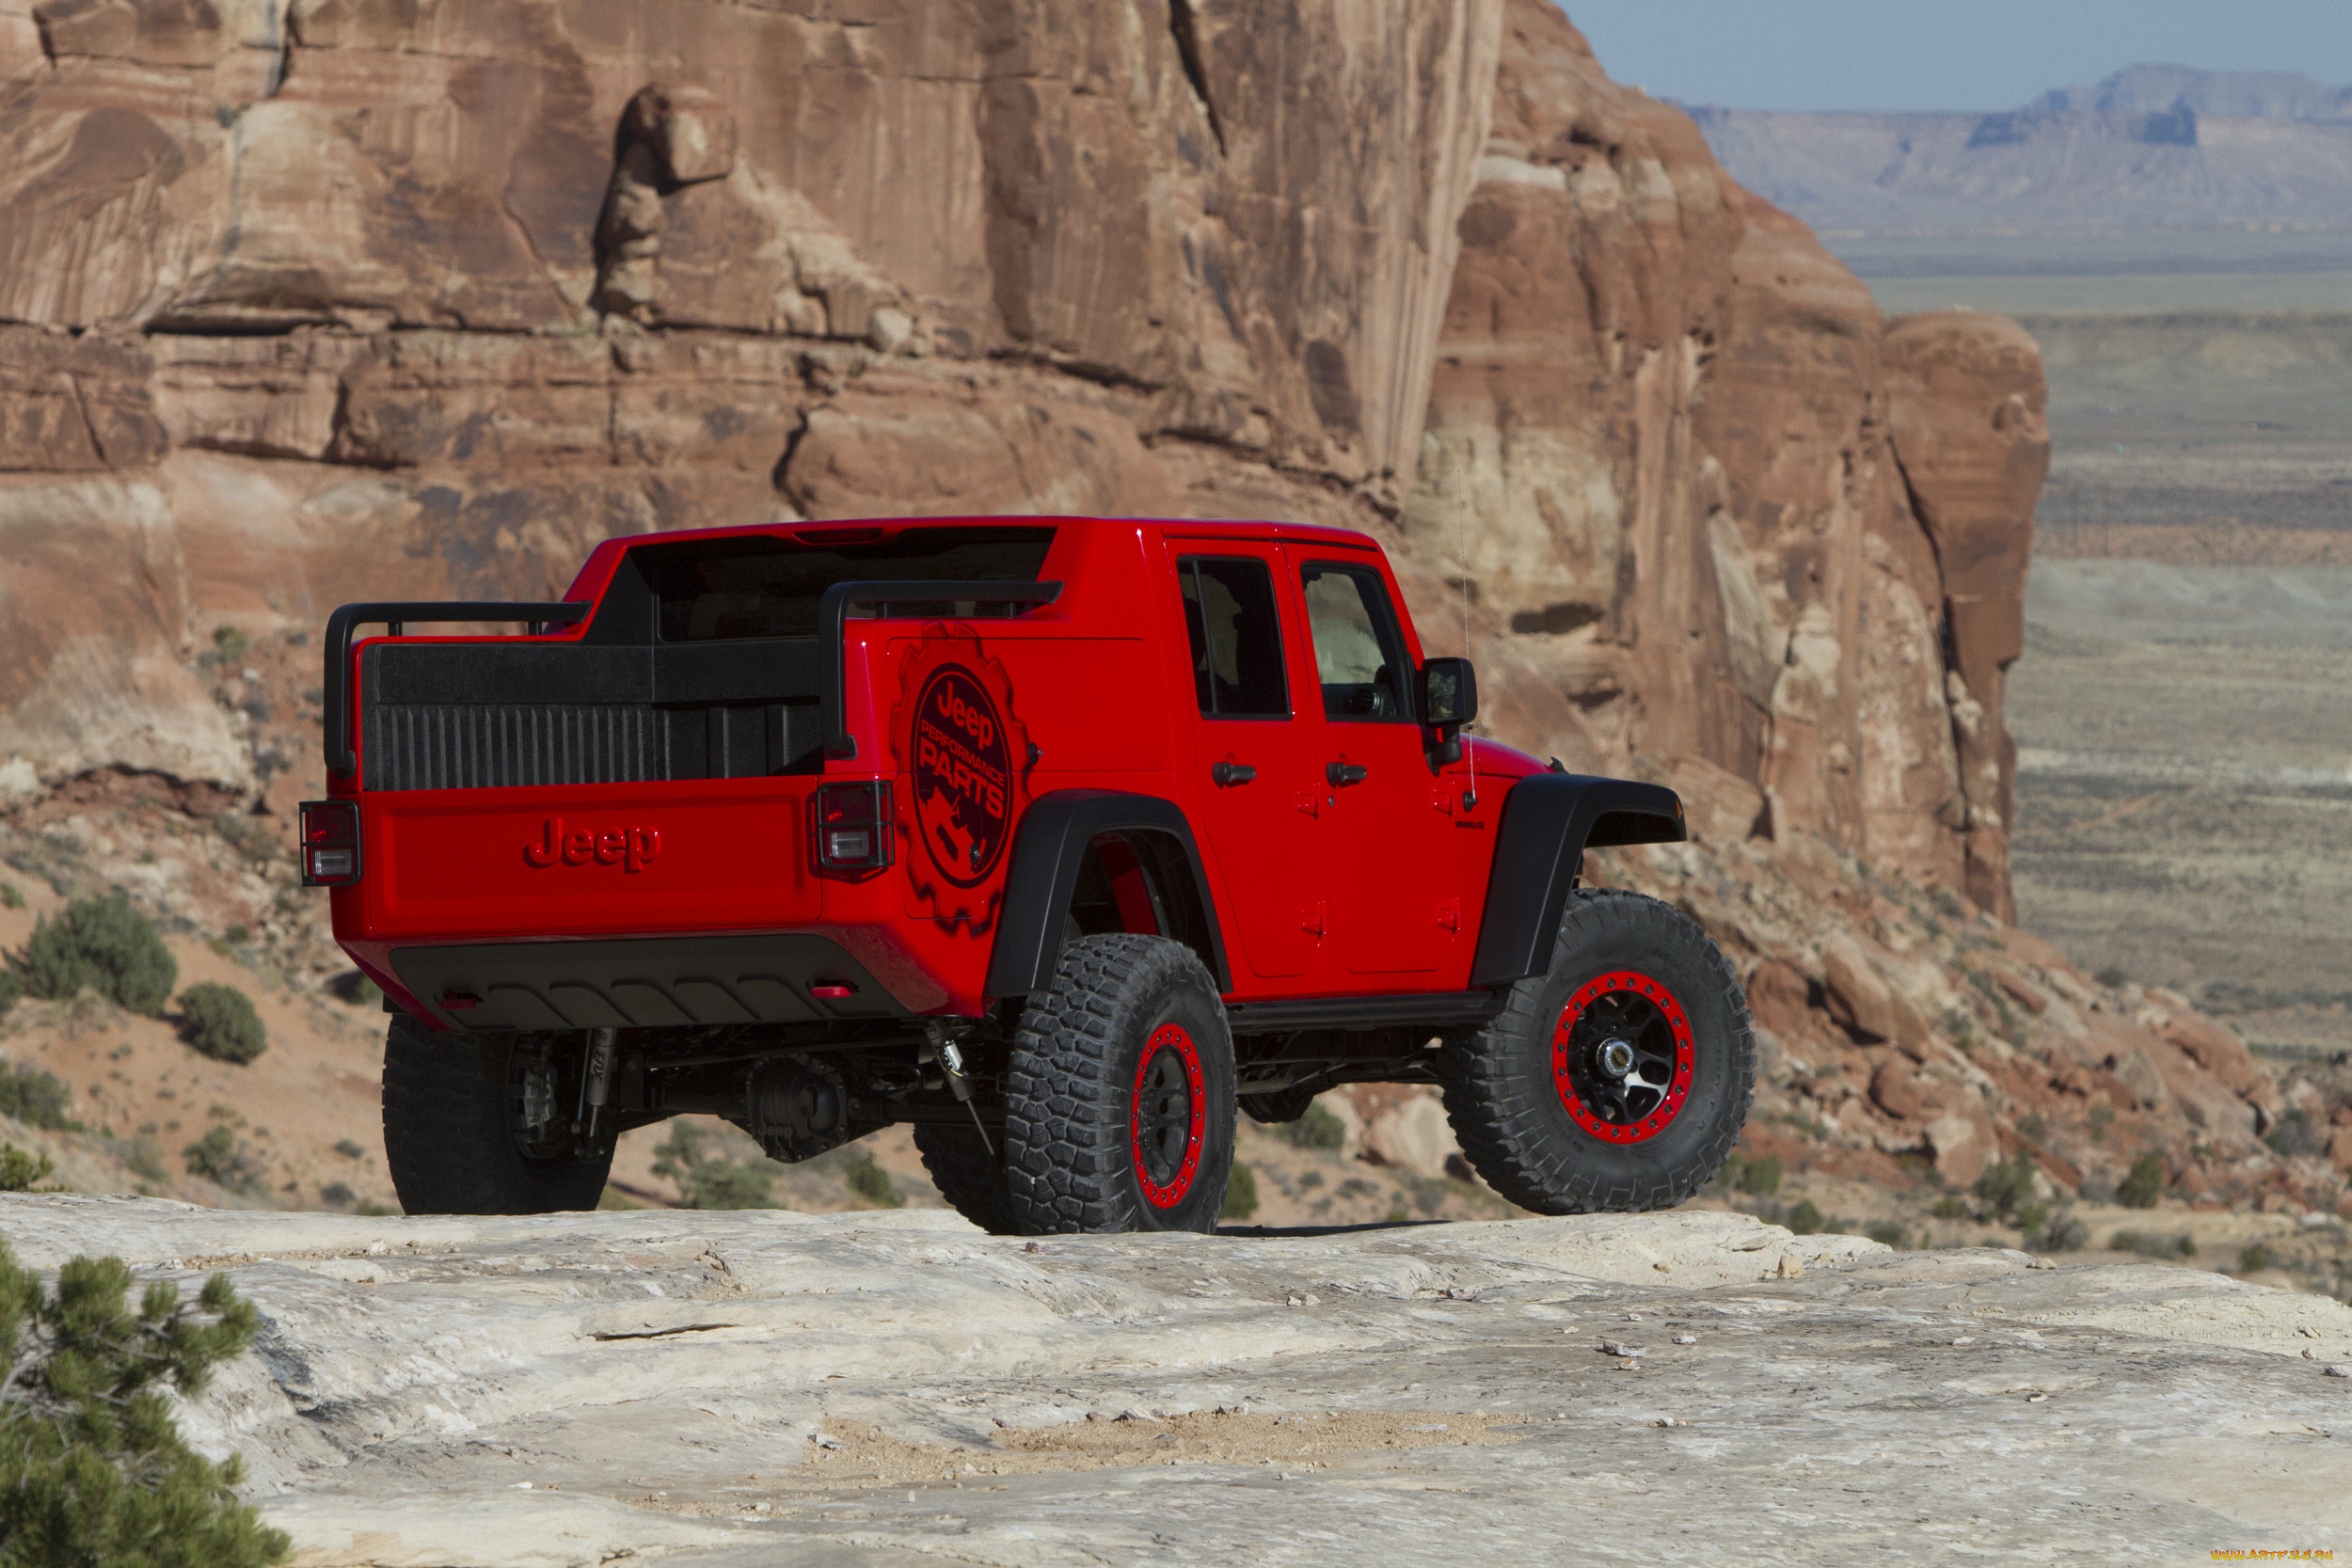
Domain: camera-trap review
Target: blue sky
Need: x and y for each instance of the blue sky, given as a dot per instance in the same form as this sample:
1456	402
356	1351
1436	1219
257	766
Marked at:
1917	55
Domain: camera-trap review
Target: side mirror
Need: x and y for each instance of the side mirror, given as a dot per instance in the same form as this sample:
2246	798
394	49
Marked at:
1448	693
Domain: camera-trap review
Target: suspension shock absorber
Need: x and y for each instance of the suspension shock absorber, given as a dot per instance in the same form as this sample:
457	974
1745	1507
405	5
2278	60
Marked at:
595	1082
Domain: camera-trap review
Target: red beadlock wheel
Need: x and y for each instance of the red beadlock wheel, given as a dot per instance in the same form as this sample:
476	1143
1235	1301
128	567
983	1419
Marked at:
1621	1058
1170	1116
1617	1079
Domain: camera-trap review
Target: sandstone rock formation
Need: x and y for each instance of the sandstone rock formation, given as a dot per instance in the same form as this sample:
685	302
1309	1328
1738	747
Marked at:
1743	526
901	1389
312	301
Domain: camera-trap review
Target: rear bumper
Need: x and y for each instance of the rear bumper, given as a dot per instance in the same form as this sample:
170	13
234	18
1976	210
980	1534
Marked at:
641	982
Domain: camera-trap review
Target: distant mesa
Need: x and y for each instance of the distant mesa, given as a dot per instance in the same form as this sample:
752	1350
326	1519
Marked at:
2151	147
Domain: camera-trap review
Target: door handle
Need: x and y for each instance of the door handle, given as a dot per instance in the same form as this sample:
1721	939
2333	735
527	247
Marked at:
1228	774
1344	773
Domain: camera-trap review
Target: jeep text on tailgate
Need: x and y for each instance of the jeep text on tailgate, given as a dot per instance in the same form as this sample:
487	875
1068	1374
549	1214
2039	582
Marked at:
1061	839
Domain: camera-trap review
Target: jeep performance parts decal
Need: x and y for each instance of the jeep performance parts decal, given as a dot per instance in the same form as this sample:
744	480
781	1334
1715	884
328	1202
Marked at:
963	777
966	756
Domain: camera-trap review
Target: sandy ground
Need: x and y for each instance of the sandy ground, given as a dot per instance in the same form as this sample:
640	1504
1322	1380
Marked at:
2185	788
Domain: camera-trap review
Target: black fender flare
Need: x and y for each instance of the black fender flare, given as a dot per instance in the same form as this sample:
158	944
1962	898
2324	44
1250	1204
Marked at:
1549	821
1048	849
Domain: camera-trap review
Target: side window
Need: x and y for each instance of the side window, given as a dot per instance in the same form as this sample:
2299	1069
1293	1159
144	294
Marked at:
1359	656
1236	637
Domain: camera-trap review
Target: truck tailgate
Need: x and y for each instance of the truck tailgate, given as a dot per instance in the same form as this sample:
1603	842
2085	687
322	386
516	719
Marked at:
589	859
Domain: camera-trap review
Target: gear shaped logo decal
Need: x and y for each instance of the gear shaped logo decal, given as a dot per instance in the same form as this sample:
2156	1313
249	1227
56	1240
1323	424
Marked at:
967	758
963	776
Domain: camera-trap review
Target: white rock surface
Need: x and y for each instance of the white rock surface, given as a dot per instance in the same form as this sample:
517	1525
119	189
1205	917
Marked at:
574	1388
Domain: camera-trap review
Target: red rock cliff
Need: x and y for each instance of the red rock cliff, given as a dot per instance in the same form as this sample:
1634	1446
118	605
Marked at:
350	297
1750	531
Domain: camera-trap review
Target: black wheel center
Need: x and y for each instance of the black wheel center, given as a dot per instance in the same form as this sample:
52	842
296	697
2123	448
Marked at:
1163	1117
1621	1056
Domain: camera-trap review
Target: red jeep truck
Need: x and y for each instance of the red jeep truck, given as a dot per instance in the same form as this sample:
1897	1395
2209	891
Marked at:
1059	838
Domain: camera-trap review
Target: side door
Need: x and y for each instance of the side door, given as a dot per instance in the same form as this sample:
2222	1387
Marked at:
1388	838
1253	753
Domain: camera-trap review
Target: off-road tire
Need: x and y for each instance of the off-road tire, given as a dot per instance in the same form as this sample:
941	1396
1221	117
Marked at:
1074	1161
970	1178
1507	1107
448	1139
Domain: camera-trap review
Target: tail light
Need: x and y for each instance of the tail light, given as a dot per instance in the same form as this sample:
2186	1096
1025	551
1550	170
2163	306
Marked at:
330	843
852	828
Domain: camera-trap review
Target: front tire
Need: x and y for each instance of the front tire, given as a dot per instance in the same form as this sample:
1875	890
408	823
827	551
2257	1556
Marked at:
1618	1080
1118	1106
480	1124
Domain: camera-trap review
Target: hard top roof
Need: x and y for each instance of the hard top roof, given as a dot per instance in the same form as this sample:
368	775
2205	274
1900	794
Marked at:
847	529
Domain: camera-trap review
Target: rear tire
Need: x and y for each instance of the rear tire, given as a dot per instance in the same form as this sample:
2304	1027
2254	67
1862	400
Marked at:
1119	1104
1618	1080
970	1178
454	1138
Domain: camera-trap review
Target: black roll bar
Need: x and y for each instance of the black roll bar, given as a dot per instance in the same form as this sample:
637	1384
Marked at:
833	609
339	756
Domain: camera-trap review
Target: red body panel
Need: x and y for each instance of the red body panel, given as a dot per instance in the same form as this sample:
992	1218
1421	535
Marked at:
1320	889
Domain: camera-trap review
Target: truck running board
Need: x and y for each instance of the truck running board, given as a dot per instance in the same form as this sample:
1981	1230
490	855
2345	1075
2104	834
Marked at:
1411	1009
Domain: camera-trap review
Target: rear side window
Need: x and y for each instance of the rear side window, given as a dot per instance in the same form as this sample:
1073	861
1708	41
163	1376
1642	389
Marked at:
1359	656
721	588
1236	637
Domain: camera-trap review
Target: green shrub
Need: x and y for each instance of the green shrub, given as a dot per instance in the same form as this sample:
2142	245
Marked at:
92	1470
1241	1194
1889	1233
2062	1232
873	1183
145	1157
220	1023
1318	1129
704	1182
217	1156
1761	1175
2150	1244
2006	1188
1805	1218
2144	1185
356	988
2253	1259
2297	1134
12	896
12	988
1951	1208
2111	976
35	1098
107	946
21	1172
349	1148
337	1195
